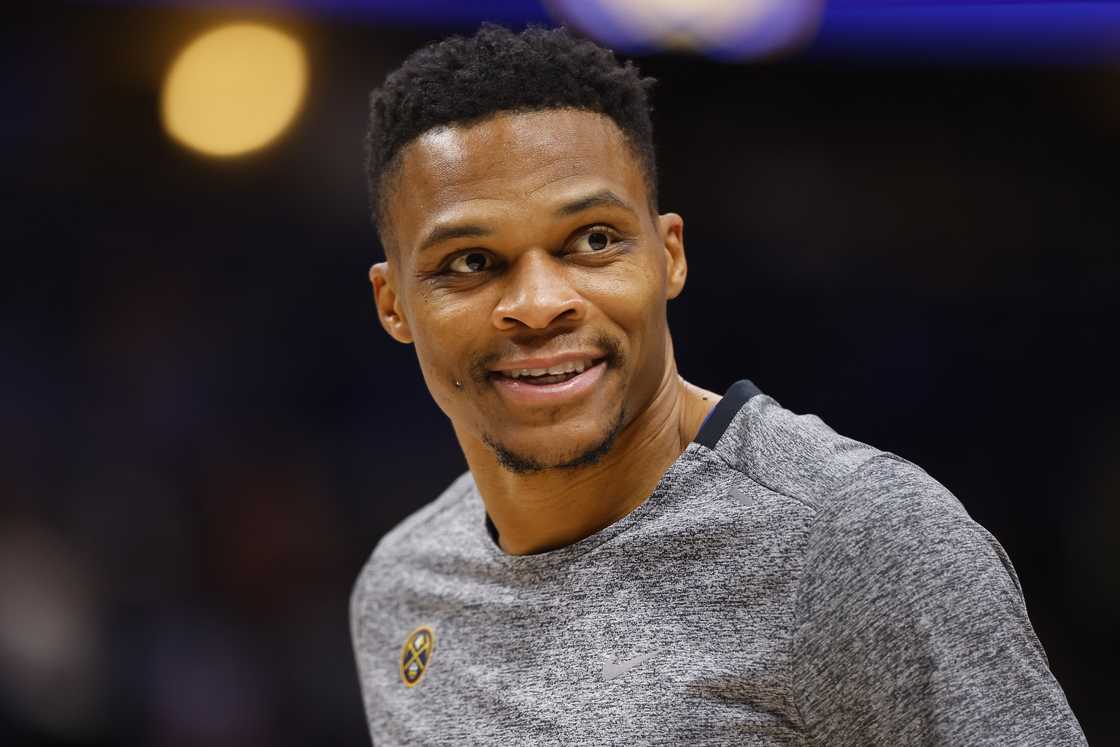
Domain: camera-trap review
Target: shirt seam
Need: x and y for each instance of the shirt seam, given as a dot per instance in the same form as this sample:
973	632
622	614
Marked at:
816	507
791	692
833	490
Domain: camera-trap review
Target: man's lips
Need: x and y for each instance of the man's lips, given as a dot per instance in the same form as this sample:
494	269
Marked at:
523	392
539	363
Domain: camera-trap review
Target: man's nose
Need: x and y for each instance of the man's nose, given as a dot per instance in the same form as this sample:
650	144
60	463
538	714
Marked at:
537	293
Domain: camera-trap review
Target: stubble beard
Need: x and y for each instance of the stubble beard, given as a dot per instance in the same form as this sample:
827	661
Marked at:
523	464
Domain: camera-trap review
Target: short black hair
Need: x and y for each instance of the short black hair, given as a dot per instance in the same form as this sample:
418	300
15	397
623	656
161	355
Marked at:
463	80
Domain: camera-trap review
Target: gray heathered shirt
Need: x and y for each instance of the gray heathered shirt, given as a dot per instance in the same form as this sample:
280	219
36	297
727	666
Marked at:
783	584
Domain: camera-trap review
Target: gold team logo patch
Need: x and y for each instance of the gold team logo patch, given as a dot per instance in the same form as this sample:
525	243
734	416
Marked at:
416	655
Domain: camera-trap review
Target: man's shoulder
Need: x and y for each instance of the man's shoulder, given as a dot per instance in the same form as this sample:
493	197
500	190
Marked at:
892	507
840	478
424	523
415	534
419	535
796	455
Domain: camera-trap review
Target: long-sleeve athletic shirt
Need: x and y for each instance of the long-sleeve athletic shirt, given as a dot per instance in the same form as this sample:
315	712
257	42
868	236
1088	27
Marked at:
782	585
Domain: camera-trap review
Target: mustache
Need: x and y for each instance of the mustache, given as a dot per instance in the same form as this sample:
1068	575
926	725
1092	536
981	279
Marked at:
605	345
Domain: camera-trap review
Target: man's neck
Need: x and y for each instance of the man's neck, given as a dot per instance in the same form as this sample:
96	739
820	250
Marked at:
553	508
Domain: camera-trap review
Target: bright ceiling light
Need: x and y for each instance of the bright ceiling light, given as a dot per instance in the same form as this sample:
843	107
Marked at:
234	89
721	28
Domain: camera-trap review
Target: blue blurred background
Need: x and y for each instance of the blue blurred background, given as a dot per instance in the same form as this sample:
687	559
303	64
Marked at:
910	207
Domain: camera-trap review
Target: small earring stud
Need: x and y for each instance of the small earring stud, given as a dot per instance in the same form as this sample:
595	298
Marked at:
458	384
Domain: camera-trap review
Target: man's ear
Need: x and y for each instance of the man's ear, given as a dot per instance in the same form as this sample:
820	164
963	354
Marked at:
671	228
388	304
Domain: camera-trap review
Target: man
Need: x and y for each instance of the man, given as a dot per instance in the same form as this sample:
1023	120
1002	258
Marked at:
632	558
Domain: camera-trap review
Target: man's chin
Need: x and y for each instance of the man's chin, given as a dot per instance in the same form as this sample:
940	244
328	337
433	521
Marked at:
525	460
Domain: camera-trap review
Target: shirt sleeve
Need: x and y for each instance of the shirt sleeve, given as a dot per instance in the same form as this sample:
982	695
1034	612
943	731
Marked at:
912	628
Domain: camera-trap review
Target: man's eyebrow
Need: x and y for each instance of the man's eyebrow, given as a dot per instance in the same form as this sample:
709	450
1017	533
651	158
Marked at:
606	198
439	234
442	233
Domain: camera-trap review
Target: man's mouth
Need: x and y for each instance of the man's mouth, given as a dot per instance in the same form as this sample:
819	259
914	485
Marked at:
552	375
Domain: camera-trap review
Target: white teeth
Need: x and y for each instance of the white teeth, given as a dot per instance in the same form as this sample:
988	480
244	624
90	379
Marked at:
576	366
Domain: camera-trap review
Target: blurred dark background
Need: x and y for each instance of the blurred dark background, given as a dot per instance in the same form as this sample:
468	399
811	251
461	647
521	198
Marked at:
206	431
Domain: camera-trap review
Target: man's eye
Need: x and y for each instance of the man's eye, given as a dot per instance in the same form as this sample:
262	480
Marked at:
592	241
470	262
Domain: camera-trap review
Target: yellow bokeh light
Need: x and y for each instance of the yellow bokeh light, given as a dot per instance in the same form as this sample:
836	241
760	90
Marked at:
234	89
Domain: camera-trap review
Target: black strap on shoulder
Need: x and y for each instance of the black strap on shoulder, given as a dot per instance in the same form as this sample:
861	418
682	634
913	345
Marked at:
725	411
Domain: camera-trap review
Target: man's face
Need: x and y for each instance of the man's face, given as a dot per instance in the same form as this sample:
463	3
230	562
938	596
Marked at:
526	242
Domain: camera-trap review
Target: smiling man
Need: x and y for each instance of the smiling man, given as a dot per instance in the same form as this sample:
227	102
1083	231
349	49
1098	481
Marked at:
632	558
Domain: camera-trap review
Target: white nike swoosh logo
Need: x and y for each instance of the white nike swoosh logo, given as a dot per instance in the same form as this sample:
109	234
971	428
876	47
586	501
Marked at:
742	498
610	671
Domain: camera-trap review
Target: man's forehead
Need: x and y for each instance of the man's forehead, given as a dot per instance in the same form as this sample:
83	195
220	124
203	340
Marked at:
514	152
